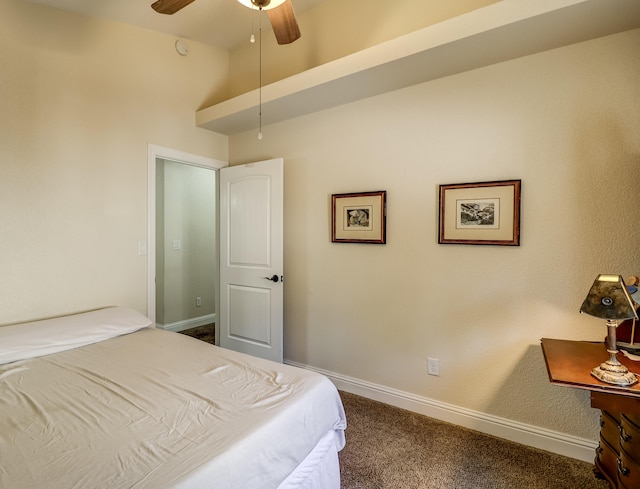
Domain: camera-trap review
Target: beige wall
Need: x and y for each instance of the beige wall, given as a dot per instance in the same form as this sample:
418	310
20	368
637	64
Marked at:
566	122
80	99
331	30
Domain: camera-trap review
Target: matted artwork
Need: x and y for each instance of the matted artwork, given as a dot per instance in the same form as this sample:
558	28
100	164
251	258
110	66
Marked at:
483	213
359	217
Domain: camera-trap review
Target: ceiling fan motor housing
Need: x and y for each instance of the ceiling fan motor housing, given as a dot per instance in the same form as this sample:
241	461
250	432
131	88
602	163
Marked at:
281	15
263	4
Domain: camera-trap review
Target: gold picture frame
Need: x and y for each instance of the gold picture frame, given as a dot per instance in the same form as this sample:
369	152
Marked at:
482	213
359	217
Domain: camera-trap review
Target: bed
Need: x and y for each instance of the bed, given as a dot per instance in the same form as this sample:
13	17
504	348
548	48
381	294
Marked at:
105	399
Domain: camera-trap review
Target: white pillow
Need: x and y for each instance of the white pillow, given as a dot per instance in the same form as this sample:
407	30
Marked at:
38	338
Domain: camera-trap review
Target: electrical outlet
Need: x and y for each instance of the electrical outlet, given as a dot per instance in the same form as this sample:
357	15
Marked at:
198	301
433	366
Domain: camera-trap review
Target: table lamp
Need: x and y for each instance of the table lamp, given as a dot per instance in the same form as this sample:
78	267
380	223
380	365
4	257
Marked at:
609	299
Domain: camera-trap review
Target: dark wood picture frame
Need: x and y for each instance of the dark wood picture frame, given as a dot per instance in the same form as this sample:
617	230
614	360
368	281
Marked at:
481	213
359	217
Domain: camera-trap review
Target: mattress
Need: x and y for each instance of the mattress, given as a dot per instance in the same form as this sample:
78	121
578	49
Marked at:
108	401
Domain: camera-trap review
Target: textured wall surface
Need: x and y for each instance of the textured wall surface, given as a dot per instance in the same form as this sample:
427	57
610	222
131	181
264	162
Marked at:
80	101
567	123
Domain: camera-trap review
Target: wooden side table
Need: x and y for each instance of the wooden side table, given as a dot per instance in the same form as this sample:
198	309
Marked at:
569	363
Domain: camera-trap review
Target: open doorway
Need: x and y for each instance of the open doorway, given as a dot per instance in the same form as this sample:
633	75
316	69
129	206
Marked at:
183	242
186	236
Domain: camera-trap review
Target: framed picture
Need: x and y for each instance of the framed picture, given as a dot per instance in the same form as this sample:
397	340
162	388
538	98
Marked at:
483	213
359	217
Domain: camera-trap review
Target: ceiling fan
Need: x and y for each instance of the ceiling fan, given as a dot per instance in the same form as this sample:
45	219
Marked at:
281	15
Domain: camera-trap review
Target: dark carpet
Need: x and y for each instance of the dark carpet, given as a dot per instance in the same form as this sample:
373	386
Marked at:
391	448
205	333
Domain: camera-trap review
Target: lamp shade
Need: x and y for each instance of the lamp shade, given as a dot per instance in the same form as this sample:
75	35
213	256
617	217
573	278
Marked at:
608	298
261	4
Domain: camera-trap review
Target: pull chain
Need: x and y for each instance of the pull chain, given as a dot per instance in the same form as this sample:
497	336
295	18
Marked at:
252	38
260	82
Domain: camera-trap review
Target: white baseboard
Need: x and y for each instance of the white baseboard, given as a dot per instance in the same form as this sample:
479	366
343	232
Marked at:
188	323
525	434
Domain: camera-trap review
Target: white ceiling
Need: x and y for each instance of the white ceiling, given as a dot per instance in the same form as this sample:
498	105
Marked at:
222	23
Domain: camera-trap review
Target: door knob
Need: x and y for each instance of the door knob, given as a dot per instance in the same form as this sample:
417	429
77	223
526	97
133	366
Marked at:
274	278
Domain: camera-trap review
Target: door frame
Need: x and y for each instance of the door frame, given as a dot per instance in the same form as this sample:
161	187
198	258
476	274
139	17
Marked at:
153	153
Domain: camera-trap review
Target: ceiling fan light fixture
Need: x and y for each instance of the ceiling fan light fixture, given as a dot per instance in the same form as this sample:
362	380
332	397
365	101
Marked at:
261	4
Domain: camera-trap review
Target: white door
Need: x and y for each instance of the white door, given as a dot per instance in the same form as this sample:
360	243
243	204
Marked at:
251	258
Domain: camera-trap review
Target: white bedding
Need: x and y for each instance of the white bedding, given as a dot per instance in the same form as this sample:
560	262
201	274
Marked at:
37	338
157	409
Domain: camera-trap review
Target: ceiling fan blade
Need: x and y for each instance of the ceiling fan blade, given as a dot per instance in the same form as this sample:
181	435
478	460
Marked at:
169	6
283	21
